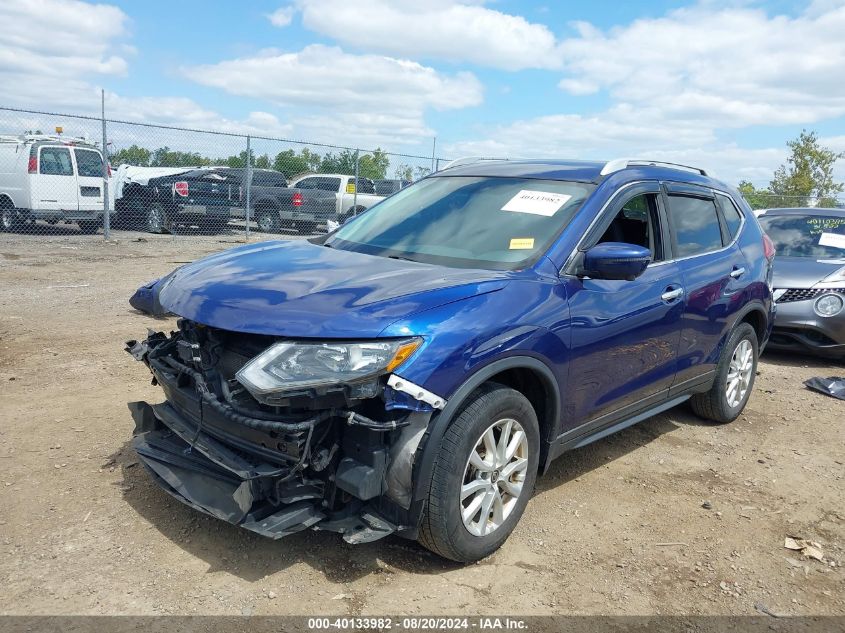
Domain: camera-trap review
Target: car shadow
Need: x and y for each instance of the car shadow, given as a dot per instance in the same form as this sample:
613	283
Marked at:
225	547
251	557
578	462
46	229
792	359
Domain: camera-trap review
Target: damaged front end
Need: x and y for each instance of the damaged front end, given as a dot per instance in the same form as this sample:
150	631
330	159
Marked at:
256	432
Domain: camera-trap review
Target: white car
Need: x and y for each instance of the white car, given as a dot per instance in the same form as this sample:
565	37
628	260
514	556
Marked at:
351	200
52	178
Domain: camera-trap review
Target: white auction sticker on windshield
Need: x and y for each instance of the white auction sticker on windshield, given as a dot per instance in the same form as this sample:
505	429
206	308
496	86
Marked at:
832	239
536	202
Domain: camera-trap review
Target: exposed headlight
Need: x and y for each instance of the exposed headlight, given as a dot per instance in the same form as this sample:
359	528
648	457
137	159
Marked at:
292	366
829	305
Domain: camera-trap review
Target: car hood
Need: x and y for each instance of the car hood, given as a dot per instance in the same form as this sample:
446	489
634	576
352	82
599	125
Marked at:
803	272
299	289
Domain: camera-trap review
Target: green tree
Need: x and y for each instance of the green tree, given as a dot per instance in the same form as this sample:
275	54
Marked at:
262	162
807	176
165	157
342	163
757	198
132	155
290	163
404	172
373	166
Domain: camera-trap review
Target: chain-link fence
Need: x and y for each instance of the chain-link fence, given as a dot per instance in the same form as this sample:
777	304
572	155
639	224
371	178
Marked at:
182	182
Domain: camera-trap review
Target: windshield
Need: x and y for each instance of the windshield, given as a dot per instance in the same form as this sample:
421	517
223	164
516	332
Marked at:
816	236
466	222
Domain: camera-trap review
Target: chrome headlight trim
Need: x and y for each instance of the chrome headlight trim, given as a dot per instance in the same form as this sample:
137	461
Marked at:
829	304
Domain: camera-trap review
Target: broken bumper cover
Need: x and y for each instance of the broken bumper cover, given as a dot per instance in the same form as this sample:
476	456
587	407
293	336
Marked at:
209	476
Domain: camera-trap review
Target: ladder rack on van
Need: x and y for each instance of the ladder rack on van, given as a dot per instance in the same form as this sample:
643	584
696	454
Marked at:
53	138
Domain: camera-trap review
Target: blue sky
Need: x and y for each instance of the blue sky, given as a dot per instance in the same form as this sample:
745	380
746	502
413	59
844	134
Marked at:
717	83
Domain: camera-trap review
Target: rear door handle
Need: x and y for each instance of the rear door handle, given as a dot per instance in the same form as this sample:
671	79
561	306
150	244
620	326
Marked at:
737	272
671	295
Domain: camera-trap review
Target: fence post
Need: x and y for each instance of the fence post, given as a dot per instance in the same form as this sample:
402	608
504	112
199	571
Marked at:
106	218
355	195
433	150
248	176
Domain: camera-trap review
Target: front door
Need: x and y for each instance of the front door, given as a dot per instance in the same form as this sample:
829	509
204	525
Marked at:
54	187
625	333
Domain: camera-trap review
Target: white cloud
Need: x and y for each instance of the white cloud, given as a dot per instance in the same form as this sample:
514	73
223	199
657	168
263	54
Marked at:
59	38
441	29
282	16
369	94
680	85
730	67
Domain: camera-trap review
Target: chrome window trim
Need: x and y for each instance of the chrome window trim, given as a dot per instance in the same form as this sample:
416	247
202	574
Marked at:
604	207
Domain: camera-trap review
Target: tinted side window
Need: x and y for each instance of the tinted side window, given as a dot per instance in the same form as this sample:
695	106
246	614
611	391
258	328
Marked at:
268	179
88	163
733	218
696	225
55	161
307	183
366	185
637	223
328	184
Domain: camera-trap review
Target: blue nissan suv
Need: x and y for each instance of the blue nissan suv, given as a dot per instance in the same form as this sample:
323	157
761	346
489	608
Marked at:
414	371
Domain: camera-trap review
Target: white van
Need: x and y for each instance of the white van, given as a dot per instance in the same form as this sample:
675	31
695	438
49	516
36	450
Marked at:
52	178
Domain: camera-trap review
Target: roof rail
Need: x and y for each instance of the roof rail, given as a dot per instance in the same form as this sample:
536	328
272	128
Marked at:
619	164
467	160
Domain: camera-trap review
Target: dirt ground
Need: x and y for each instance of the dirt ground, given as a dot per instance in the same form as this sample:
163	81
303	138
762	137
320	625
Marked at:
618	527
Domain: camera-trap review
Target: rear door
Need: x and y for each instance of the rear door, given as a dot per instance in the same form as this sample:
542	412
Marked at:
54	186
714	273
89	170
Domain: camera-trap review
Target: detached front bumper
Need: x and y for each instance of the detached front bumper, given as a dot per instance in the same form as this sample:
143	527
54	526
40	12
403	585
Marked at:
207	475
798	328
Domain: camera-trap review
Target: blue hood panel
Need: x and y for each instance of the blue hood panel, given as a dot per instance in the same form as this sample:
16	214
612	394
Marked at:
299	289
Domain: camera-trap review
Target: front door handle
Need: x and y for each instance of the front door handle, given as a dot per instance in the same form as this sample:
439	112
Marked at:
671	295
737	272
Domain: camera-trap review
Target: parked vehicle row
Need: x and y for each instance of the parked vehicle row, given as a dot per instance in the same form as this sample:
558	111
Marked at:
416	370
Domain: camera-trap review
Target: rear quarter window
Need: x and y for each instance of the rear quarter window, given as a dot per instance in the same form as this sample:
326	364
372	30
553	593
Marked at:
732	215
696	225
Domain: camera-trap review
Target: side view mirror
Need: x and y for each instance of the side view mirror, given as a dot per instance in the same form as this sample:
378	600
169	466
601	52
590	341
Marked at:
616	260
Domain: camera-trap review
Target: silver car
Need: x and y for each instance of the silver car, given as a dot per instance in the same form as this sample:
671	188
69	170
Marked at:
809	279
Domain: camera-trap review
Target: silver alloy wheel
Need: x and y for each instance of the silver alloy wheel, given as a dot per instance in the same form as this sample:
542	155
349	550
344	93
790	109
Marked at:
155	220
739	373
8	220
265	223
494	476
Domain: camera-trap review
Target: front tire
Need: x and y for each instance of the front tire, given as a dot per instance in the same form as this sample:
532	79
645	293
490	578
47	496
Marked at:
483	475
734	381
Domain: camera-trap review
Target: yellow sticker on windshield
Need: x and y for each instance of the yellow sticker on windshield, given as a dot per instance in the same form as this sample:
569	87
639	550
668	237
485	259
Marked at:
522	243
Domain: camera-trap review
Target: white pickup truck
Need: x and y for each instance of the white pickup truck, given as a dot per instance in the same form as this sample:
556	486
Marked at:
349	201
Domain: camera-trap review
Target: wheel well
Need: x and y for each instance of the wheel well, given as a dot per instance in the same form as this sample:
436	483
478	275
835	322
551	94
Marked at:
6	202
757	320
531	385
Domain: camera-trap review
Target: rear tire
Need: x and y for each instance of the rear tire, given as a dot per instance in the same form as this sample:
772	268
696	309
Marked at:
268	221
734	381
10	219
89	227
157	220
476	476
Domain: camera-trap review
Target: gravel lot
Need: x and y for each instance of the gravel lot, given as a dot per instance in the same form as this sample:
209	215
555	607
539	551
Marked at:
618	527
